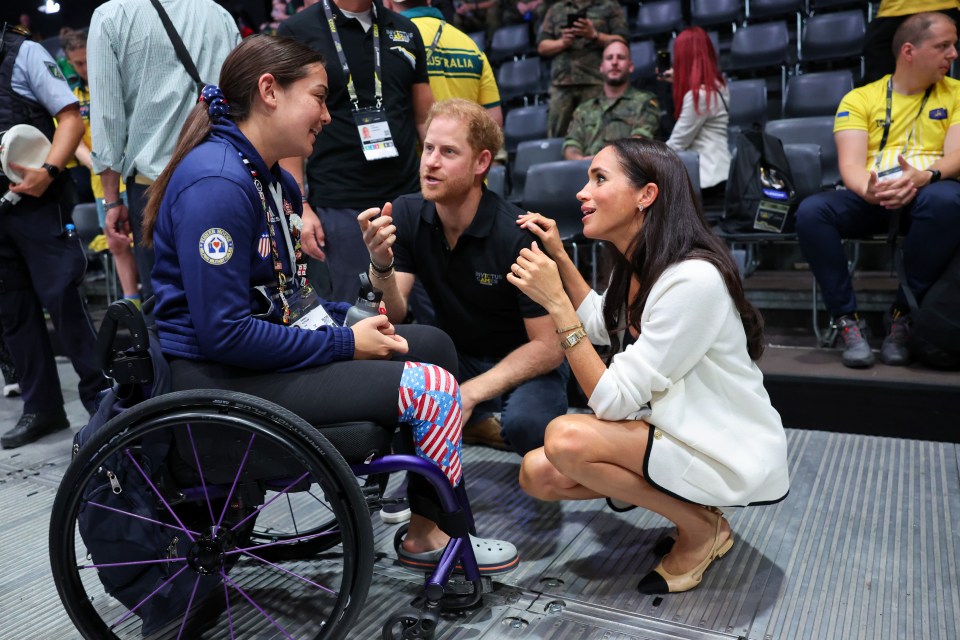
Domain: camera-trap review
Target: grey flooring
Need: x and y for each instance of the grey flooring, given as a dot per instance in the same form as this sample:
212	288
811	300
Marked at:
863	547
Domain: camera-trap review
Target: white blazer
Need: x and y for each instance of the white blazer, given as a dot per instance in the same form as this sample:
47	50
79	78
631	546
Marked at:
715	438
705	133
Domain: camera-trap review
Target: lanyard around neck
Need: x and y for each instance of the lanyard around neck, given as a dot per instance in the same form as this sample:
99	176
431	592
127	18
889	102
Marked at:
338	45
436	39
292	238
887	121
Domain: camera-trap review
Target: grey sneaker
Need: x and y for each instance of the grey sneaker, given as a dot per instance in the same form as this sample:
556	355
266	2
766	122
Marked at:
895	350
856	349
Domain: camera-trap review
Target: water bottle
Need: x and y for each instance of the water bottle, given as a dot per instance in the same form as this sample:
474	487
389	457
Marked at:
70	230
368	302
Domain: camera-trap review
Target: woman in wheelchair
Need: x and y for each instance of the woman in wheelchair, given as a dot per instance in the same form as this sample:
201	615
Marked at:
233	307
682	423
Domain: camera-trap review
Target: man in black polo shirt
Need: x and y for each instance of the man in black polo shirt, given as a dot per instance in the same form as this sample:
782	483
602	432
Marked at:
459	240
348	171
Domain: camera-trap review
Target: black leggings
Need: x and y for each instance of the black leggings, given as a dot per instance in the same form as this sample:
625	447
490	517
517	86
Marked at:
348	391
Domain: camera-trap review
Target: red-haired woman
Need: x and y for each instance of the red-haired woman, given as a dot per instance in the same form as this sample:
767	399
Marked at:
701	99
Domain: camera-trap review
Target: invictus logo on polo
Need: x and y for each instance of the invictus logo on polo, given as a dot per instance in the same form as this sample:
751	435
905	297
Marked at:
216	246
489	279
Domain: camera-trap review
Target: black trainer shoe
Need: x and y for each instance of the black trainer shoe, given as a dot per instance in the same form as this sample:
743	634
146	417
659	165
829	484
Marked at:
32	426
895	350
856	349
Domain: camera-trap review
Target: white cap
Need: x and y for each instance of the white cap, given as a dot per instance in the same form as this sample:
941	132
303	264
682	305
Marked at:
25	145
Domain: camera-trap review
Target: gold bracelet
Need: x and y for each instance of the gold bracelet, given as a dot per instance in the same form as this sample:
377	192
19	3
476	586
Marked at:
573	328
573	339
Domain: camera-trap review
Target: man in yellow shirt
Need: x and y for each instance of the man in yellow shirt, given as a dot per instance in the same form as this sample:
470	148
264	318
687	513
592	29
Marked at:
898	144
878	43
456	66
74	45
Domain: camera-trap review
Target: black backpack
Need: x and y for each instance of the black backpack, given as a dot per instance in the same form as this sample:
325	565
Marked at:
935	337
761	194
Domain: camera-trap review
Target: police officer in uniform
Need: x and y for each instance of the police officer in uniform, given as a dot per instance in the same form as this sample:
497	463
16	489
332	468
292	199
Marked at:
41	266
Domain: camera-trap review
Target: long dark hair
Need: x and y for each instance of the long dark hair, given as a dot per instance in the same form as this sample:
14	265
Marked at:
284	58
673	230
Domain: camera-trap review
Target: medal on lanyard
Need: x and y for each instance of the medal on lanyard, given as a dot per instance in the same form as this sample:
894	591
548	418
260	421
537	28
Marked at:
372	126
292	237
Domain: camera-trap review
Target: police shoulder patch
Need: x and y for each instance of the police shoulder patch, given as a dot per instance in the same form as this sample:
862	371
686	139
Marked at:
216	246
54	71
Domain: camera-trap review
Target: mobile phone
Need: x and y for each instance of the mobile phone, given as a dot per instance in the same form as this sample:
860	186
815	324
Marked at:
573	17
663	60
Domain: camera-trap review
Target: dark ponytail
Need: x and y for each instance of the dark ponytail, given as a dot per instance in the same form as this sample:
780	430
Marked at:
284	58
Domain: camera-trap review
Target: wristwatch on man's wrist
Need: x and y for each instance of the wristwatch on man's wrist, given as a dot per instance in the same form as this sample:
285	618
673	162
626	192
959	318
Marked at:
53	170
934	175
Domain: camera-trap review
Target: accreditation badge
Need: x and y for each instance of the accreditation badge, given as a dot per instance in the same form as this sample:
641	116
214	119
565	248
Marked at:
306	310
375	137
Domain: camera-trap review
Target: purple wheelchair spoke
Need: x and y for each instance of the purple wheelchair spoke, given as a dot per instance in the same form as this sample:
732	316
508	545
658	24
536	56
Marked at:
233	487
203	483
257	607
268	502
296	540
226	597
186	614
132	563
183	527
139	517
152	593
288	572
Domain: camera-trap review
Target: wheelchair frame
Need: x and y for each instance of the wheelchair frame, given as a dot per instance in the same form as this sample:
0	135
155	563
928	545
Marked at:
211	551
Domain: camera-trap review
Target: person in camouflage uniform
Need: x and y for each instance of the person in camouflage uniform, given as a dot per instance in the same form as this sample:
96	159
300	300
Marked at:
576	53
620	111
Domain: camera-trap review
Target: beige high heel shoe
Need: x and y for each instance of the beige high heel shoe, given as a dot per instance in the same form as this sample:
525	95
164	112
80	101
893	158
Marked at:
662	581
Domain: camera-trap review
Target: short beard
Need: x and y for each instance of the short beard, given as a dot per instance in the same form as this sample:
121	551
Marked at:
617	82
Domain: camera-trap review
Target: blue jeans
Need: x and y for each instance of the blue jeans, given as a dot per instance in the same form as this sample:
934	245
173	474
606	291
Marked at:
527	409
932	223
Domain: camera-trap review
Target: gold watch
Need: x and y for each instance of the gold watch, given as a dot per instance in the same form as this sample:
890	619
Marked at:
573	339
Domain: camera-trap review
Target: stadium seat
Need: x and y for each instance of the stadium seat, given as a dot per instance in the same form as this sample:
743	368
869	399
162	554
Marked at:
714	38
748	106
512	41
773	8
816	130
480	38
524	123
705	13
643	54
87	223
816	94
551	189
518	79
691	160
530	153
660	18
819	6
761	45
805	167
497	180
833	36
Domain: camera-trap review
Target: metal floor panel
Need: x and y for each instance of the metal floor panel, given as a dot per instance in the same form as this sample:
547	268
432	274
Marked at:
862	548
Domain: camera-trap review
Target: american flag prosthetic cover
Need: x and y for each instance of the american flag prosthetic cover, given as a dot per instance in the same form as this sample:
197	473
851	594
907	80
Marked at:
430	403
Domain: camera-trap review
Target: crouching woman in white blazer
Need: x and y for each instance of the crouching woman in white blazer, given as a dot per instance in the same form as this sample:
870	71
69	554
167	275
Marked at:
682	423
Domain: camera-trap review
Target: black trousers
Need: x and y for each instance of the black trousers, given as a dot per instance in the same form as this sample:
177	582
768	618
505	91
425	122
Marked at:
878	45
353	390
143	256
40	268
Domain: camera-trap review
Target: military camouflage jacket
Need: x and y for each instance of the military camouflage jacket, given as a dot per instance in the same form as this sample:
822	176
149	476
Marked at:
599	121
580	64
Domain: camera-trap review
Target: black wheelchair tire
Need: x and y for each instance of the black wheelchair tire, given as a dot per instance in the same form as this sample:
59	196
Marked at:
252	414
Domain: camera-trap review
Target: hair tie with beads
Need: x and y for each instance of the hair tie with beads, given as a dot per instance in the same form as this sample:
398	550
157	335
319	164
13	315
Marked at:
217	105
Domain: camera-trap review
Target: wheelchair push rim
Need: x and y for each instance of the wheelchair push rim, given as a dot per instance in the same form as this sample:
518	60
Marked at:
244	530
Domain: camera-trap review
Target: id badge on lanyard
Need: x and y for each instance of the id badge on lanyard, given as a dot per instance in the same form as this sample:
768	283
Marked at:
375	136
306	311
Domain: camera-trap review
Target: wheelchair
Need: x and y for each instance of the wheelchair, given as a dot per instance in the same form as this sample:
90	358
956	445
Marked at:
242	520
